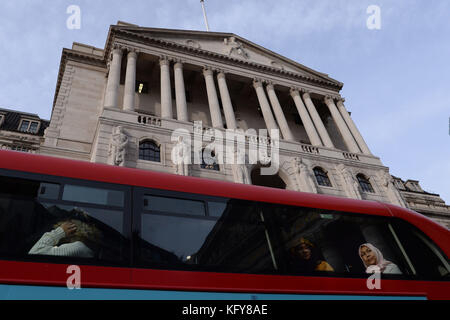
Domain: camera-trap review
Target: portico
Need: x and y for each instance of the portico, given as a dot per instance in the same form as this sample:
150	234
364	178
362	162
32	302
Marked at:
219	105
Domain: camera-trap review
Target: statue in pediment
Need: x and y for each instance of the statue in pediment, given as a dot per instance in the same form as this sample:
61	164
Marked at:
235	47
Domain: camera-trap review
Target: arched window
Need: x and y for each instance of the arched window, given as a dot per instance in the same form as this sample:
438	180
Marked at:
322	177
150	151
364	183
212	162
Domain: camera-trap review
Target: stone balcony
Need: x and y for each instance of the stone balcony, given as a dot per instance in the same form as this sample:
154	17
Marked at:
148	122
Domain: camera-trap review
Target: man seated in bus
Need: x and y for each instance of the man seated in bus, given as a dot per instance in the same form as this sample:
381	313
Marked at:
306	258
374	261
72	238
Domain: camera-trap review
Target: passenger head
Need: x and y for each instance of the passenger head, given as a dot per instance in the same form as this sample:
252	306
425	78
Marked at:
303	248
369	254
87	233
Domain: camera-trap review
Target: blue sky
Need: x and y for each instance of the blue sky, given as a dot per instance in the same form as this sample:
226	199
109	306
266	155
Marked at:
396	79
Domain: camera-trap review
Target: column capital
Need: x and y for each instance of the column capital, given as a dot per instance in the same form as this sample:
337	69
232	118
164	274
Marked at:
133	53
178	64
164	61
257	83
304	90
208	71
221	74
294	91
118	46
341	99
270	85
328	99
306	95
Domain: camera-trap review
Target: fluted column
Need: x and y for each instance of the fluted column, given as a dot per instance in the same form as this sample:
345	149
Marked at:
112	86
351	125
226	101
279	115
166	93
214	107
306	119
265	106
130	81
317	121
342	126
180	92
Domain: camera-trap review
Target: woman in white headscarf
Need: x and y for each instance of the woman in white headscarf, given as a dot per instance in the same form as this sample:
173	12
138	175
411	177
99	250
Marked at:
373	260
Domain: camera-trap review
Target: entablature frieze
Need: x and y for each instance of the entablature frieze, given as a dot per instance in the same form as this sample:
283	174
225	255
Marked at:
230	65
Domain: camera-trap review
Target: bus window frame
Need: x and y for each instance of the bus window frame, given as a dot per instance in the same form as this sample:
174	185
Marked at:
125	261
343	275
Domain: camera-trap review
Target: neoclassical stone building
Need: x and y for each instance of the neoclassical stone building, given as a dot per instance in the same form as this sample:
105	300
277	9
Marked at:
121	104
21	131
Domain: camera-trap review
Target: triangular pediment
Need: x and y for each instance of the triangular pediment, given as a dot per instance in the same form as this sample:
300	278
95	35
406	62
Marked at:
231	46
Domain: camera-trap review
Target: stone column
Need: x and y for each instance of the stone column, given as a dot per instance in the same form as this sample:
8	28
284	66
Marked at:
180	92
226	101
214	107
112	86
130	81
317	121
265	106
166	93
351	125
306	119
342	126
279	115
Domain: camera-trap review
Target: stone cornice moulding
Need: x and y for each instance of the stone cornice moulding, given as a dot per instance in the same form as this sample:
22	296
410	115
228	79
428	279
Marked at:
217	56
199	62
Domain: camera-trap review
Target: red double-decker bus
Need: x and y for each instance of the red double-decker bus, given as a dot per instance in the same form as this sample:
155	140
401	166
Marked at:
135	234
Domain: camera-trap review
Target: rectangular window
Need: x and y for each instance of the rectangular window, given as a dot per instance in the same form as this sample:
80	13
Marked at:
24	126
93	195
232	239
313	241
33	127
174	205
29	126
34	222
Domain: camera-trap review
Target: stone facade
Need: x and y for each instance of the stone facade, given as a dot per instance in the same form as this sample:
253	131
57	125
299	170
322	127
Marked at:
21	131
148	82
429	204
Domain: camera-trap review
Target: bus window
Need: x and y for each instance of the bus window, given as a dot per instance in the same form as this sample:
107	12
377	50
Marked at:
233	240
37	222
93	195
314	241
428	260
174	205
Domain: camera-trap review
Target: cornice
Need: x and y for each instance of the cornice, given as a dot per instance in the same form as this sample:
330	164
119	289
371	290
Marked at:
124	34
177	47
